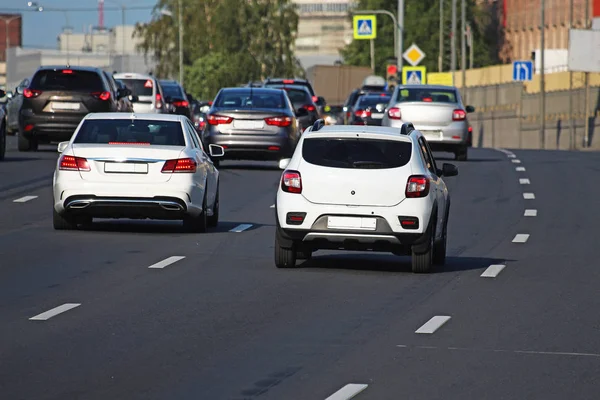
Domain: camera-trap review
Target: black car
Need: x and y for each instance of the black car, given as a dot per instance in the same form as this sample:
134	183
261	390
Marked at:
252	124
369	109
318	100
56	101
353	97
176	98
301	98
13	107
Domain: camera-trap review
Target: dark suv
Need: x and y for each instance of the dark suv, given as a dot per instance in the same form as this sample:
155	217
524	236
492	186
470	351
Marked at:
56	101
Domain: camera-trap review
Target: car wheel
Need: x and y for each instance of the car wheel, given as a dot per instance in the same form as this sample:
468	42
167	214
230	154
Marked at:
461	155
213	220
303	254
62	222
284	258
25	144
196	224
422	262
2	142
439	250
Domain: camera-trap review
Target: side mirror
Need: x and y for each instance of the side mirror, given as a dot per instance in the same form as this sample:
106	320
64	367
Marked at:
321	101
9	95
301	112
124	92
215	150
470	109
283	163
3	93
449	170
19	90
62	146
133	98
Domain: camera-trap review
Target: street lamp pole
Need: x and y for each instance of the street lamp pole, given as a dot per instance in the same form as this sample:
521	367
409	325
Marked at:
40	8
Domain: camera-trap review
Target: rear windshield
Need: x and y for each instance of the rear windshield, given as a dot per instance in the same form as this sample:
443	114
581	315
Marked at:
67	79
427	95
172	91
126	131
139	87
372	101
298	96
291	82
247	99
356	153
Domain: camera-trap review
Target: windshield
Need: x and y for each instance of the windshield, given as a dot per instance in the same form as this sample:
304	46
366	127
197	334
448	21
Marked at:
356	153
125	131
68	80
246	99
427	95
139	87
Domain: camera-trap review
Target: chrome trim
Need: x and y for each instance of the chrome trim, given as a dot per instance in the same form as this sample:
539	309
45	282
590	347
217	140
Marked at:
121	160
340	237
79	204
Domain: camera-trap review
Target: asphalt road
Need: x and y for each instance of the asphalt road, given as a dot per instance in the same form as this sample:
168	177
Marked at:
223	323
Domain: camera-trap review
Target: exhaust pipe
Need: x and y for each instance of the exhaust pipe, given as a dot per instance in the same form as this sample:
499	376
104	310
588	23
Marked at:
171	206
78	204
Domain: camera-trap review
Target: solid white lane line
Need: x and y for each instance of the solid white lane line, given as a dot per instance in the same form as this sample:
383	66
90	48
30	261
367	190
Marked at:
492	271
521	238
530	213
241	228
348	391
524	181
515	161
24	199
166	262
528	196
520	169
433	324
272	206
54	312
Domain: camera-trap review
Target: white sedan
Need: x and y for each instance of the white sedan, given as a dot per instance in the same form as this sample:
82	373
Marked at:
140	166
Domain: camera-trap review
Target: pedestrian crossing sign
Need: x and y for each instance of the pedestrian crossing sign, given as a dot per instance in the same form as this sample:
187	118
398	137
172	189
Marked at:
365	26
414	75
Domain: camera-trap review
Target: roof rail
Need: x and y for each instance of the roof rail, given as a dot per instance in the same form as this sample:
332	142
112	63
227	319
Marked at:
407	128
318	125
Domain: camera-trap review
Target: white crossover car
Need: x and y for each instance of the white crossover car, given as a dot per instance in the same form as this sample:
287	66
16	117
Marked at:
120	165
363	188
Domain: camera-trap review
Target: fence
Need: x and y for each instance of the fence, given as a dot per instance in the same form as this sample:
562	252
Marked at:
506	116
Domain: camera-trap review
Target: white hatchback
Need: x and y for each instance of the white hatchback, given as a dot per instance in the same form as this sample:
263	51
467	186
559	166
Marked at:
140	166
363	188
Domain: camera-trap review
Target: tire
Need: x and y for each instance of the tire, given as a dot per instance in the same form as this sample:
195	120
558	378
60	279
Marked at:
461	155
213	220
303	254
284	258
25	144
216	163
439	250
422	262
62	222
2	142
198	223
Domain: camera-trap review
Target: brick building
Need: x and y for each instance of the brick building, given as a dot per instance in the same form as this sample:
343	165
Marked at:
11	24
521	20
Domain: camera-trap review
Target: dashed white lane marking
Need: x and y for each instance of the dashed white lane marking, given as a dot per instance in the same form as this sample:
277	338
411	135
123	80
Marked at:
524	181
521	238
511	155
54	312
24	199
492	271
530	213
528	196
433	324
348	391
166	262
272	206
241	228
515	161
520	169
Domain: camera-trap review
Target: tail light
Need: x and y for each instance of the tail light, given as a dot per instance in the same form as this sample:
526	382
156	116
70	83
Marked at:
102	95
214	119
288	81
179	165
71	163
158	100
417	186
459	115
202	124
182	103
295	218
394	113
291	182
409	222
279	121
31	93
309	107
427	99
364	114
470	129
67	71
315	99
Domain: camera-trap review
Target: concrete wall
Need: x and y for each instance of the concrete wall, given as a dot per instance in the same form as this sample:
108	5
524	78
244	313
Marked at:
507	116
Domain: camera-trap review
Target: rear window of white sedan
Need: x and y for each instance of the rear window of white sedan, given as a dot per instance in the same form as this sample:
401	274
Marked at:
356	153
126	131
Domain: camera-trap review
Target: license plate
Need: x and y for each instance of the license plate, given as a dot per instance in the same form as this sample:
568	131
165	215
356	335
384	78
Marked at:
377	116
432	134
65	106
351	223
241	124
126	168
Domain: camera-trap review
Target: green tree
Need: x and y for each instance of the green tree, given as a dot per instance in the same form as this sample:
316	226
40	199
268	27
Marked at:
422	28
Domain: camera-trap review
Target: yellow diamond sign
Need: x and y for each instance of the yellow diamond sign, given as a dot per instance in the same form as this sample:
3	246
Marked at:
414	55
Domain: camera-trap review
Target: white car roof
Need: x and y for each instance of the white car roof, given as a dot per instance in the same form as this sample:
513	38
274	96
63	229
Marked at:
383	132
122	115
133	75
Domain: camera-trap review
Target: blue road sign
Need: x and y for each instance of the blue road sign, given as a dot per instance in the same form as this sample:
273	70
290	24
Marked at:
522	70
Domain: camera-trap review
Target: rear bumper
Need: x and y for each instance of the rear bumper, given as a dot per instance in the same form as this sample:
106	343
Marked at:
53	127
253	147
118	207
